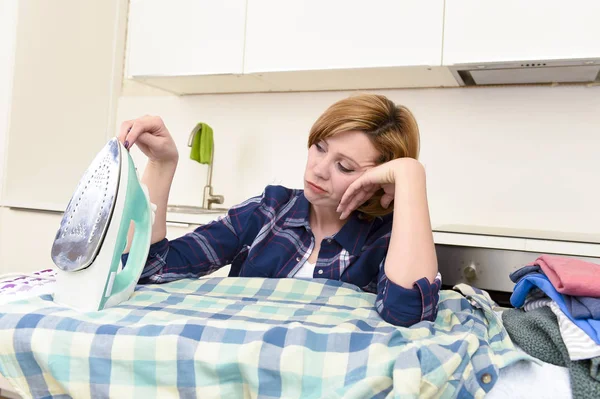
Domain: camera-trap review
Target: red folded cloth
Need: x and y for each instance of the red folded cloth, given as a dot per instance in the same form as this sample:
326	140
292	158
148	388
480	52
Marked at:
571	276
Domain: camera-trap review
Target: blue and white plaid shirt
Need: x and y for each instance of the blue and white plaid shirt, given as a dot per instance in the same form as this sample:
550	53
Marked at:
270	236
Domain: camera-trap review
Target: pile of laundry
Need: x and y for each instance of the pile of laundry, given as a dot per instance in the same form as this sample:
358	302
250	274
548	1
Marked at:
557	317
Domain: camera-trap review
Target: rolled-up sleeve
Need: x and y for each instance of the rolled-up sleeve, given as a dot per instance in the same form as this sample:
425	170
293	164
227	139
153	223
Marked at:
404	307
157	259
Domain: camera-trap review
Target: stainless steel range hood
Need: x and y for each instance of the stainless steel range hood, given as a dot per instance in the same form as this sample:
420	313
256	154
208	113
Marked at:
528	72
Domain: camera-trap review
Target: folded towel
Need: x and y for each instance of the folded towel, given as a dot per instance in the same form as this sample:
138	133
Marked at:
202	143
521	290
583	307
579	306
571	276
523	271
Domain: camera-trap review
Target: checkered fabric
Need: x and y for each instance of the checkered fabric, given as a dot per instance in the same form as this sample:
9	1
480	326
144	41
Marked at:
252	338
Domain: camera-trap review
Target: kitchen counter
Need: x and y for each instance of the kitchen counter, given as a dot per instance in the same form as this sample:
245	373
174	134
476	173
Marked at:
550	242
193	215
187	214
520	233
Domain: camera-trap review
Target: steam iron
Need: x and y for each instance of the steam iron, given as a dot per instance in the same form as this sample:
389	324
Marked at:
93	233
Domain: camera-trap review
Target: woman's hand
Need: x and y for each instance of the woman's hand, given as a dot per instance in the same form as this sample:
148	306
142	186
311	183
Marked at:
384	177
152	137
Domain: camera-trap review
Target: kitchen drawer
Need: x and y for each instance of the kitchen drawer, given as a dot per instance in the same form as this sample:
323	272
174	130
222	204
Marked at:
485	268
26	238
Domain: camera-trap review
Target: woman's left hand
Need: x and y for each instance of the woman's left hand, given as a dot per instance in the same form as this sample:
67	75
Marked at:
383	176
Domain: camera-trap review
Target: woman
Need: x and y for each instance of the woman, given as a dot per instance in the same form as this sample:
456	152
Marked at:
362	217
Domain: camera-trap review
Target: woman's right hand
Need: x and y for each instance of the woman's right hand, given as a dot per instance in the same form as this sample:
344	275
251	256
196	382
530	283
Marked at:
152	137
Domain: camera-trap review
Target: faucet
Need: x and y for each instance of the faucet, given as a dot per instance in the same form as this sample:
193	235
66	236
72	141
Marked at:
208	197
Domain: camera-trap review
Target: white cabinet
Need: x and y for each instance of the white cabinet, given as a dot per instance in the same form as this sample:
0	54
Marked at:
66	80
186	37
516	30
26	238
8	30
345	44
201	46
340	34
188	46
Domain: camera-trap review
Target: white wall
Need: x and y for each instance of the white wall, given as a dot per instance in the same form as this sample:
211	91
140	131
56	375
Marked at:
8	30
516	157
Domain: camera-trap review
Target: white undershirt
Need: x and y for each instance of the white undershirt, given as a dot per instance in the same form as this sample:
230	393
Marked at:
306	271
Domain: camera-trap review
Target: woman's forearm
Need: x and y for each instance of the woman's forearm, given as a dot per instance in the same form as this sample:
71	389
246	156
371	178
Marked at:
157	177
411	254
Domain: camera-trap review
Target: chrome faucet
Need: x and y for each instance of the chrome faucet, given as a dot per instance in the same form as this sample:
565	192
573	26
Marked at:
208	197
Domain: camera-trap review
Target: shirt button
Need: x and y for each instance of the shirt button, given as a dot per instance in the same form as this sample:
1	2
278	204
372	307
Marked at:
320	271
329	240
298	259
486	378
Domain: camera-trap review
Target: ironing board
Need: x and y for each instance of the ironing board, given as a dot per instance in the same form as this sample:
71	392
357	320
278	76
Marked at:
26	286
16	288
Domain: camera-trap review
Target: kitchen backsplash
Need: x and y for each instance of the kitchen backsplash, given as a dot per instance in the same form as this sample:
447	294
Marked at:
517	157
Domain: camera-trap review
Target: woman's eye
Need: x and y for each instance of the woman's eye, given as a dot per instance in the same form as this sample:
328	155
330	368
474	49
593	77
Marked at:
343	169
319	147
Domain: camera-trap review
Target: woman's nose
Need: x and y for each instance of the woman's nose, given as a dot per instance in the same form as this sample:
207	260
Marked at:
321	168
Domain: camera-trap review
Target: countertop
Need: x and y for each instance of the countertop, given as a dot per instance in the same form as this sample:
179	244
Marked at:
551	242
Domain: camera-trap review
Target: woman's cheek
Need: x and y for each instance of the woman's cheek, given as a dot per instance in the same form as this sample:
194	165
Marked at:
345	184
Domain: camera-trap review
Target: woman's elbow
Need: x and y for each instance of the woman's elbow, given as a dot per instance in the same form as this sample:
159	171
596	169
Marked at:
406	317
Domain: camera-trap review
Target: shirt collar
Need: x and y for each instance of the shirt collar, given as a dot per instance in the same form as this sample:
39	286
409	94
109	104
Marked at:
351	237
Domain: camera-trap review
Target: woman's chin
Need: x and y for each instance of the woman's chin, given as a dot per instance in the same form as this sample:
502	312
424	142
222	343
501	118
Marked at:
313	199
320	201
318	198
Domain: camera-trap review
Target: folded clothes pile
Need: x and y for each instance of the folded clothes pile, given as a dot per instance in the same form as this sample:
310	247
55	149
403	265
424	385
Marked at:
557	317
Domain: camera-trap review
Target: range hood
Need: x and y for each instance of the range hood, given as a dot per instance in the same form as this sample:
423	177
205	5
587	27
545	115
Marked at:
527	72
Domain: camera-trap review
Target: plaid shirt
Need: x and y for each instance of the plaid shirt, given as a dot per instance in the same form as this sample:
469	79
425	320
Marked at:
224	337
270	236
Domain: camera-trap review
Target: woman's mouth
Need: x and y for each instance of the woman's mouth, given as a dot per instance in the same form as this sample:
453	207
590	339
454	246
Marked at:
315	188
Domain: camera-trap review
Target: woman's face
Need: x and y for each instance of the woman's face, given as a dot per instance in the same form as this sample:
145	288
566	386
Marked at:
333	164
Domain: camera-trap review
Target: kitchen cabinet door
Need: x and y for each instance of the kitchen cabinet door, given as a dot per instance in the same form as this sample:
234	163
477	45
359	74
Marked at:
188	46
342	34
8	30
345	44
26	238
514	30
66	82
